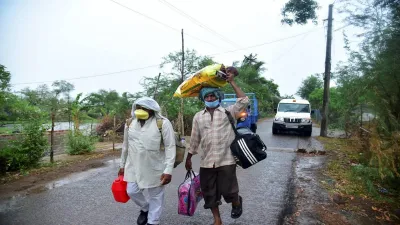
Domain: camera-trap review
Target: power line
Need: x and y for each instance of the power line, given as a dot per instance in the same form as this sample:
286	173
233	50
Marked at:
291	48
266	43
84	77
156	65
342	27
198	23
166	25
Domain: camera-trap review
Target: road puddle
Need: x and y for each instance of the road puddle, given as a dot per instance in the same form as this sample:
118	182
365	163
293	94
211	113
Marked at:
75	177
11	202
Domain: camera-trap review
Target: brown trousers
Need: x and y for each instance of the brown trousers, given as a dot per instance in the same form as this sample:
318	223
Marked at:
217	182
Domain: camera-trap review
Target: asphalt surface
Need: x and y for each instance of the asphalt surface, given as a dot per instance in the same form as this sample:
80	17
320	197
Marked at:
86	198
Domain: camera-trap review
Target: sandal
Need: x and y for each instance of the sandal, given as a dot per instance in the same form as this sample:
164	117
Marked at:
237	210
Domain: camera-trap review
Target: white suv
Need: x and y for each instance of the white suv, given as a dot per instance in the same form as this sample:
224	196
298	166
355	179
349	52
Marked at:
293	114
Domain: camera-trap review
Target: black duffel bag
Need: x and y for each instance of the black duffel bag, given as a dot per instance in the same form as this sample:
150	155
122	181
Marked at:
247	148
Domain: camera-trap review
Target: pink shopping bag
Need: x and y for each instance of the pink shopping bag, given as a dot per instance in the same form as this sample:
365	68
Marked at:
189	194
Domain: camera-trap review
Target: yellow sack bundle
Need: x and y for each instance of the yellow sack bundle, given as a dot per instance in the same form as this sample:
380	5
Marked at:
206	77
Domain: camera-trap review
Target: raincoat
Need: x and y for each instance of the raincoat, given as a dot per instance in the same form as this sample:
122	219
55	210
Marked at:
141	156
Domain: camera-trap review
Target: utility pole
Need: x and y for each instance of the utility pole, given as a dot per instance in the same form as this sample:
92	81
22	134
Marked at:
182	79
53	118
114	133
327	77
69	113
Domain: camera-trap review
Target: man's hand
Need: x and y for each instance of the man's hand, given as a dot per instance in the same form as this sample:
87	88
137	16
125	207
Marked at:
188	164
165	178
121	172
229	77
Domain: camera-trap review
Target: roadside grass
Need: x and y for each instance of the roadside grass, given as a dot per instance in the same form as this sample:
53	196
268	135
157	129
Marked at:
41	168
6	130
45	165
350	179
339	166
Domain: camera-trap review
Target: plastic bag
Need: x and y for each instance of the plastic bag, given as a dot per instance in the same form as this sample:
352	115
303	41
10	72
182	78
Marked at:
209	76
180	150
189	194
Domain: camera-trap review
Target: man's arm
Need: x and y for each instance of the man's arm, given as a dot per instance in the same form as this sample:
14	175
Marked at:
194	143
242	99
230	75
124	152
238	91
169	145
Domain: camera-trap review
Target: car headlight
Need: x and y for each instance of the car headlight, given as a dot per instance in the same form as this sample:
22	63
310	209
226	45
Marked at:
279	119
306	120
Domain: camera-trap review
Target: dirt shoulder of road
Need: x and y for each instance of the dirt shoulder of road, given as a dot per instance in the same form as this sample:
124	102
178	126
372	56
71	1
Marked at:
320	198
22	183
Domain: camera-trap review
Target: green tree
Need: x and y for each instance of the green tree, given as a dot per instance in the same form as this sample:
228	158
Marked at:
13	107
65	89
28	149
193	63
308	85
76	111
5	78
103	102
370	79
124	105
287	96
50	100
299	12
107	105
250	79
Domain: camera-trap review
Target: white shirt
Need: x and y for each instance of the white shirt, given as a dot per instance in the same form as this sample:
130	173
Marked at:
141	156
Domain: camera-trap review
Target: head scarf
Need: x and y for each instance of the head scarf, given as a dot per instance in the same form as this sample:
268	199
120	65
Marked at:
207	90
148	103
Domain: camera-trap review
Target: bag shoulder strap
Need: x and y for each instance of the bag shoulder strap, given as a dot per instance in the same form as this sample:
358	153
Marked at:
231	120
159	124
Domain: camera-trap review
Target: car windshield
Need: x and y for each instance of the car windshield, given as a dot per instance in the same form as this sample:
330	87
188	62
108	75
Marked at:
294	107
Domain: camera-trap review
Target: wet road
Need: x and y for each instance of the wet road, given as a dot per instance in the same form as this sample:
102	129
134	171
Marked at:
86	198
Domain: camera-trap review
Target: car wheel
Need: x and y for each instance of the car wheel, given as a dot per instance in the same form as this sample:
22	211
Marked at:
308	133
274	131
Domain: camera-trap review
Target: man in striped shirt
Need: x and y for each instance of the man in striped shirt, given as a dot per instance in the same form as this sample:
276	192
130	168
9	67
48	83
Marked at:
211	136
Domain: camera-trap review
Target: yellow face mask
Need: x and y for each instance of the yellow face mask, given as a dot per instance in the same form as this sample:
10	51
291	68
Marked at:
141	114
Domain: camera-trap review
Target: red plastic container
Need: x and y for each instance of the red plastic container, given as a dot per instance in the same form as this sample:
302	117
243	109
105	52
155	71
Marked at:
118	189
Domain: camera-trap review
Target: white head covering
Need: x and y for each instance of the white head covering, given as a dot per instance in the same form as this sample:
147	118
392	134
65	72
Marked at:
148	103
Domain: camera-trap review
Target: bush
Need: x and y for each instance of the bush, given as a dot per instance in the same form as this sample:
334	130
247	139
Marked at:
80	144
27	150
107	123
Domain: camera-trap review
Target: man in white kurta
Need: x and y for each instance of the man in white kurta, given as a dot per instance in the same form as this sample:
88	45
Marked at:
144	164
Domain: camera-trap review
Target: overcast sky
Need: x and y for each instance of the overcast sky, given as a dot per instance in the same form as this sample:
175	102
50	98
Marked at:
47	40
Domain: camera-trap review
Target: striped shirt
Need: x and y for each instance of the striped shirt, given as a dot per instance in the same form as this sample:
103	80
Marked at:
212	137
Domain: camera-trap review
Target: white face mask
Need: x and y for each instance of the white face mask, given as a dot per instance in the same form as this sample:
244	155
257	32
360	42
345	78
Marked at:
213	104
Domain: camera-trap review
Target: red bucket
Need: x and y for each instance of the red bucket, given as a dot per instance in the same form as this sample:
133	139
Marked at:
118	189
